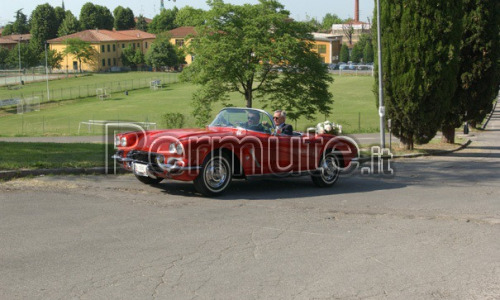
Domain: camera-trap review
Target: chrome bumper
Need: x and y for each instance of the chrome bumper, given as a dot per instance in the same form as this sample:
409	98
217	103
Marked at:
169	168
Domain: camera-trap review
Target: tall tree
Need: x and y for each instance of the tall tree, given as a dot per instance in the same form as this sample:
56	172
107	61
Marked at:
239	49
357	53
479	75
4	54
19	26
163	54
141	23
43	26
189	16
60	15
95	17
69	25
344	53
54	59
420	45
124	18
368	53
81	50
164	21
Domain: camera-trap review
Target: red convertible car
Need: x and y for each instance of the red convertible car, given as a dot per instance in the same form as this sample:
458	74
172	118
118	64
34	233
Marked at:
239	143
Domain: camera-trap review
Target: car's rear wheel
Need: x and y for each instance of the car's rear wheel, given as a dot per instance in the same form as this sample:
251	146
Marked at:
215	175
149	180
329	168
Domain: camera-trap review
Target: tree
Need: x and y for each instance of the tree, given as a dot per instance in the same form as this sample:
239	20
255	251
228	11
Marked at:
479	74
95	17
81	50
357	53
29	58
69	25
164	21
163	54
330	19
242	47
43	26
348	30
368	53
344	53
132	57
124	18
20	25
420	50
189	16
141	23
54	58
4	54
60	15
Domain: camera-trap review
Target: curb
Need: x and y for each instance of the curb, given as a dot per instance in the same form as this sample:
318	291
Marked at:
7	175
437	153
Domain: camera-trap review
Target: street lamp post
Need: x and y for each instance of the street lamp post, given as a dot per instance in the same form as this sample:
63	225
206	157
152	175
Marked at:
47	72
381	108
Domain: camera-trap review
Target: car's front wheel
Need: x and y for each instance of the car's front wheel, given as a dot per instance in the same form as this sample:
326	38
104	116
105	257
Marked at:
215	175
329	168
149	180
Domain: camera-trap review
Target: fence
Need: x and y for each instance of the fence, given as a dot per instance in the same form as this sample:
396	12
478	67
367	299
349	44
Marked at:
90	90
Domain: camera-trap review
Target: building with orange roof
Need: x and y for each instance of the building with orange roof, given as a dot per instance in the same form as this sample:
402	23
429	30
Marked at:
108	45
181	37
10	41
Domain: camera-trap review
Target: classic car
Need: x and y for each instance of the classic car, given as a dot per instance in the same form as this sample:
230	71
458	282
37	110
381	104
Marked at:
240	143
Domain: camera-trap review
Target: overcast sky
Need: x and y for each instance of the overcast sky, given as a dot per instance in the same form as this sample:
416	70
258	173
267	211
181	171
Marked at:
299	9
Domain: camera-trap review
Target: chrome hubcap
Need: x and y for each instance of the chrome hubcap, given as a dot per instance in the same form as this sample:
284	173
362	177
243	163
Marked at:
216	174
330	168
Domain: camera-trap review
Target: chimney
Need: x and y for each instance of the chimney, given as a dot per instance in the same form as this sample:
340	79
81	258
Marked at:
356	11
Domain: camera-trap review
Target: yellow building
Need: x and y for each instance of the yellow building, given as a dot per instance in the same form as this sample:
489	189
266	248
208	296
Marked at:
181	37
108	46
327	46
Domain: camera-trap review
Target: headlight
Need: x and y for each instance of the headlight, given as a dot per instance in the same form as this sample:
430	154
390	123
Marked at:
179	149
175	148
117	140
124	142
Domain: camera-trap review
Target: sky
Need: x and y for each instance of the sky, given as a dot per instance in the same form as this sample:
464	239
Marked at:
299	9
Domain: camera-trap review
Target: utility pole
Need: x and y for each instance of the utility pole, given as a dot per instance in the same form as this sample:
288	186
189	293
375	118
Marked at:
381	107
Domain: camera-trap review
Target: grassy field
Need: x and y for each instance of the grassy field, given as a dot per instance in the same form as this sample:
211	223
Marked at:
49	155
354	107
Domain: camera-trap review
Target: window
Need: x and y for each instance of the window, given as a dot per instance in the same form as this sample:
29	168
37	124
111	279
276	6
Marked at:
179	42
146	45
109	62
321	48
138	45
114	61
123	46
102	48
133	45
109	49
103	62
114	47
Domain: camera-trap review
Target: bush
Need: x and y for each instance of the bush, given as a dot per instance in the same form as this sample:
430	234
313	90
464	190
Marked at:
173	120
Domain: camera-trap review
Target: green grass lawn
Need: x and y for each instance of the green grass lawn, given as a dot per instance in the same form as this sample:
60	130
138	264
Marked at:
353	107
49	155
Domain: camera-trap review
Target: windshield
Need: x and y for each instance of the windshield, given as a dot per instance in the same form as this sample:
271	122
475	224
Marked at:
250	119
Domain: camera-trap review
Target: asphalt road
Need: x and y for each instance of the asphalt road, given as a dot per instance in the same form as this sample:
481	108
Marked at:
431	231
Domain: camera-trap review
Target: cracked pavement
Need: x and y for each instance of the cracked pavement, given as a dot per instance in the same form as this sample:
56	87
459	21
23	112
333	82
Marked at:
432	231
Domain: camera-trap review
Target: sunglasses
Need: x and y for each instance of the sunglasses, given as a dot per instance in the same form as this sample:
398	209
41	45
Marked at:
276	118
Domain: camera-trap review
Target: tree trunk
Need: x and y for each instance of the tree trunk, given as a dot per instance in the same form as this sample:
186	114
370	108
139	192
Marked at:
248	94
406	142
473	124
448	134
